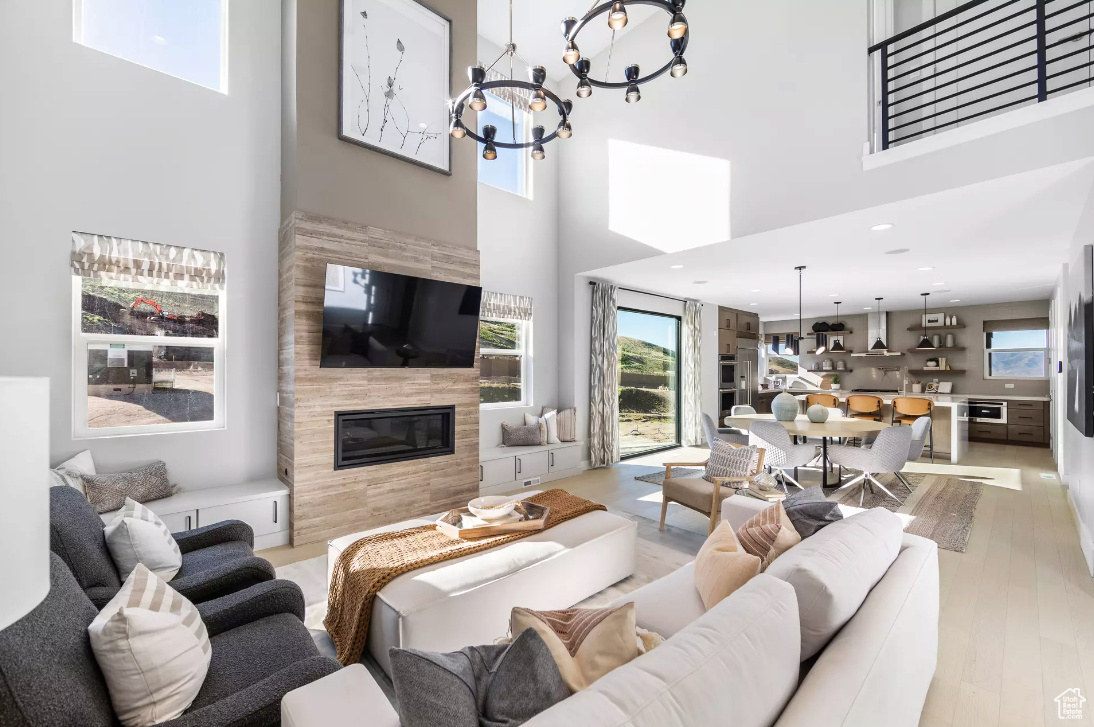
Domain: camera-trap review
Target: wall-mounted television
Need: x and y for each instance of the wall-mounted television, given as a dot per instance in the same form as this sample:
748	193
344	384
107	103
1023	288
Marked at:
373	319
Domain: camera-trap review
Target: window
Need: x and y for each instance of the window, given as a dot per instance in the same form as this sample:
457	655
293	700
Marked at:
1015	354
782	363
187	40
148	349
649	375
509	172
503	372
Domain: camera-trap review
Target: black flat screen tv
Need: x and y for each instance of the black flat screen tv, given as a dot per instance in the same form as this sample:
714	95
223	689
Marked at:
373	319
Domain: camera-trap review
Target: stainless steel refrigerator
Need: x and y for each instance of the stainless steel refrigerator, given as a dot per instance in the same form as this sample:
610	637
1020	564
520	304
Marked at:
740	376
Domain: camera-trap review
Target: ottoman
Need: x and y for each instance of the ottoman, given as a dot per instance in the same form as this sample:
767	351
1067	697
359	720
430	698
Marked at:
467	601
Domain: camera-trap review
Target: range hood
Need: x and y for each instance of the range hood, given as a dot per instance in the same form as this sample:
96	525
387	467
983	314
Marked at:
877	326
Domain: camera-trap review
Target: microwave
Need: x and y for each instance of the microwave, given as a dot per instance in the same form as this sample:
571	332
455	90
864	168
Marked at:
988	412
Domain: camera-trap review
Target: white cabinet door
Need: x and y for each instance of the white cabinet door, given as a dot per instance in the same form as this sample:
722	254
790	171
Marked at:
267	515
532	464
565	458
497	471
180	522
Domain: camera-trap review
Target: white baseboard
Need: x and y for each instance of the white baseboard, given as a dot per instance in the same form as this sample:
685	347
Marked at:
1086	542
271	540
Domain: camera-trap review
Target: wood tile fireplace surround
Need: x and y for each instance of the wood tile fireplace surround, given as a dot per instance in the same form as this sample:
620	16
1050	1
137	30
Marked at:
327	503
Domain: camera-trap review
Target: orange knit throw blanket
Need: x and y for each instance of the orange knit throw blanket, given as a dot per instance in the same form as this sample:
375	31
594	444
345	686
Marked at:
372	562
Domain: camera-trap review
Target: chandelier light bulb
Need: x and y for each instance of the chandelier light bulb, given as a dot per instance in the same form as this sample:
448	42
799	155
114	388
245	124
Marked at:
489	152
457	131
617	16
564	130
679	67
478	100
537	152
633	94
678	25
539	101
571	55
584	88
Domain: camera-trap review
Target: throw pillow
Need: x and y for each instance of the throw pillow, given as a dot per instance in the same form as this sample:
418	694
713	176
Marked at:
728	461
768	534
567	425
809	510
528	436
586	643
108	492
722	566
833	572
547	419
70	472
135	536
501	685
152	649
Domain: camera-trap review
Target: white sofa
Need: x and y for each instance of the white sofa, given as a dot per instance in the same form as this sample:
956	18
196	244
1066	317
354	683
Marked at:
737	664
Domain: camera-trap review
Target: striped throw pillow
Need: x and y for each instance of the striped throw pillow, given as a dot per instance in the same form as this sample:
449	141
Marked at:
728	461
567	423
768	534
136	535
152	649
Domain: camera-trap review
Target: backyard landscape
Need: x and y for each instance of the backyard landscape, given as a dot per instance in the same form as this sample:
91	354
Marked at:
647	390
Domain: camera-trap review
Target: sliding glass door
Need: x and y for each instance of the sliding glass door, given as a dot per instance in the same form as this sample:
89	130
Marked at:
649	382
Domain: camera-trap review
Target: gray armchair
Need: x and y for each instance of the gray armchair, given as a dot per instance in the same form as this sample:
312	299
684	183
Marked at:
216	560
260	652
726	434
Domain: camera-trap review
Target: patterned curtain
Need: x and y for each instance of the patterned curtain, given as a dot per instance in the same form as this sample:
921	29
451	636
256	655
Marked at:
604	378
505	305
691	422
116	258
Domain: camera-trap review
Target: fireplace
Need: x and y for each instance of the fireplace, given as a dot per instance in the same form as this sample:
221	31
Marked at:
363	438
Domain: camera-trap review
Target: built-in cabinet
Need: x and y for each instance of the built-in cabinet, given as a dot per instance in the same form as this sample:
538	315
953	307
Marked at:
1025	425
506	468
735	326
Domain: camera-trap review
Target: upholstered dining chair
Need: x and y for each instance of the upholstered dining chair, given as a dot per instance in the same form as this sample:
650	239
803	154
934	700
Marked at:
826	400
782	453
864	406
702	495
726	434
920	427
910	409
888	454
741	410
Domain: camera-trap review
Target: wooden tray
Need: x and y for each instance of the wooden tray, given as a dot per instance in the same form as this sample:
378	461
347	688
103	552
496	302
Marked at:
462	525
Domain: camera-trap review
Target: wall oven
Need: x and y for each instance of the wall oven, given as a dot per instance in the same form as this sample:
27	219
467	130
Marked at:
727	366
988	412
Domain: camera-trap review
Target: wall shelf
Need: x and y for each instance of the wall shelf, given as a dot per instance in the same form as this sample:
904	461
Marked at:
829	371
936	328
827	353
936	371
939	348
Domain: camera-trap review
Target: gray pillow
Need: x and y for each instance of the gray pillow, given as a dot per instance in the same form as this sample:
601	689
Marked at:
492	686
529	436
108	492
809	510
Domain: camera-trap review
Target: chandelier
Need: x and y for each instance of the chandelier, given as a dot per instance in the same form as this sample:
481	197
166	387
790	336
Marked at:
538	96
617	20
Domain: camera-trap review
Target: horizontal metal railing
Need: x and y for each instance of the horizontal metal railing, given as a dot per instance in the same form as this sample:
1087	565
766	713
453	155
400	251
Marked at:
978	59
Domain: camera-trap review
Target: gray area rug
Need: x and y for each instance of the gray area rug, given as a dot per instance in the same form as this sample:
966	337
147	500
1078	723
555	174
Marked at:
658	477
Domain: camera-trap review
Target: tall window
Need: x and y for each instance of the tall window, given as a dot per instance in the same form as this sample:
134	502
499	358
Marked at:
649	382
147	337
505	350
187	40
509	172
1016	350
781	362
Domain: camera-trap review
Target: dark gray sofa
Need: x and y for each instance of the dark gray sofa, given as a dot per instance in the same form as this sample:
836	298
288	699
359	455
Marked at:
261	650
216	560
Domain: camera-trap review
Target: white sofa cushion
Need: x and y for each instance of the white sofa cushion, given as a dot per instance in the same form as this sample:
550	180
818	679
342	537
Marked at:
737	665
834	570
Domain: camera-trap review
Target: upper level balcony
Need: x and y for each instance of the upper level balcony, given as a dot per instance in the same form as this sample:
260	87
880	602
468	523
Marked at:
981	59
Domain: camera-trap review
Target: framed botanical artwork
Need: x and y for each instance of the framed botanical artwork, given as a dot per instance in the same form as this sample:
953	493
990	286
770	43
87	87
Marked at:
395	68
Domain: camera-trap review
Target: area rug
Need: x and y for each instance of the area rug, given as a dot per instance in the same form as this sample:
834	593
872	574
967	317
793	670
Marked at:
658	477
940	507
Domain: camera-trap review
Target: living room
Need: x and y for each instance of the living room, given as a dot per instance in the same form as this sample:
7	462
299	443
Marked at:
659	284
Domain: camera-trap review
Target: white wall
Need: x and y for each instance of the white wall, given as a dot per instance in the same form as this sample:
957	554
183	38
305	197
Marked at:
1076	460
94	143
518	245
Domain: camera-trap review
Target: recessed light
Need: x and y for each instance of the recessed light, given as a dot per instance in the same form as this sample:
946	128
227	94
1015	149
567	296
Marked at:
898	251
676	267
882	227
867	308
956	300
924	269
833	295
159	40
753	303
700	282
937	284
755	290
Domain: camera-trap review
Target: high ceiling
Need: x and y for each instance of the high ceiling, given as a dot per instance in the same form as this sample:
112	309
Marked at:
537	29
998	241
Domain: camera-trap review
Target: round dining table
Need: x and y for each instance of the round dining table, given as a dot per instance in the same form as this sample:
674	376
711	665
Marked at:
838	427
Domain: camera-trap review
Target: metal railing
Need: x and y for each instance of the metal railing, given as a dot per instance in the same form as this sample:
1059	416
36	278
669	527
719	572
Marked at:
979	59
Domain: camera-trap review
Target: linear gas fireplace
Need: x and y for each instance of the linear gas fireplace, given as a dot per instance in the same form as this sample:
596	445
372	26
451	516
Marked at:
363	438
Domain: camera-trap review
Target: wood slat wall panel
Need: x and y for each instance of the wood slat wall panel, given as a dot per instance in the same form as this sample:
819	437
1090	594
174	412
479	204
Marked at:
326	503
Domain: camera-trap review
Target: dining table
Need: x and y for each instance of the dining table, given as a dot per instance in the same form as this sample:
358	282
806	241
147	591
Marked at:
801	426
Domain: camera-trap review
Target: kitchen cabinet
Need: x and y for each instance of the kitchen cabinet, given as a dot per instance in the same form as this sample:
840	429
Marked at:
982	431
727	341
748	324
1026	424
727	319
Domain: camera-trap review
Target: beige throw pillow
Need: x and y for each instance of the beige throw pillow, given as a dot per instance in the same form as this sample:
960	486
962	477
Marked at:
136	535
70	473
586	643
768	534
152	649
722	566
107	492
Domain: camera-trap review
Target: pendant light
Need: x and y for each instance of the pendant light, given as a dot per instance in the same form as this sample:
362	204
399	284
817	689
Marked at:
797	341
879	345
775	344
837	346
924	342
822	343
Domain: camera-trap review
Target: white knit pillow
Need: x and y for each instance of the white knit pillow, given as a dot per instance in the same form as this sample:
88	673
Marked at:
135	536
728	461
152	649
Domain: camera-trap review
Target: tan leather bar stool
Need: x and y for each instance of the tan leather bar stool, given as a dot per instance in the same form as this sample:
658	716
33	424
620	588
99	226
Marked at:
823	399
906	409
864	406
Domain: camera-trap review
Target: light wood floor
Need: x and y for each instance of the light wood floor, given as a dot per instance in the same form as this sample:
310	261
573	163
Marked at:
1017	618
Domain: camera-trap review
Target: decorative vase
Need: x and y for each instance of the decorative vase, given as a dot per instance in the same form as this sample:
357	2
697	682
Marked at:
917	388
949	340
817	413
785	407
936	340
833	387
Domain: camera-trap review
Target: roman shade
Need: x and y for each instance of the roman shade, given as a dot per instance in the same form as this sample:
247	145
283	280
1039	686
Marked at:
506	306
117	258
1017	324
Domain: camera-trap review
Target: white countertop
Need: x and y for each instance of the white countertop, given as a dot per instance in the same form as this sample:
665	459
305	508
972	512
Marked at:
939	399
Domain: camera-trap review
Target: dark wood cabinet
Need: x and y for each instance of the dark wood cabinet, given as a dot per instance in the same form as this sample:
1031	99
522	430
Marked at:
1027	423
984	432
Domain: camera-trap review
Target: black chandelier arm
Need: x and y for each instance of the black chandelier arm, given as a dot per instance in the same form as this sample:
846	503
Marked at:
599	10
458	106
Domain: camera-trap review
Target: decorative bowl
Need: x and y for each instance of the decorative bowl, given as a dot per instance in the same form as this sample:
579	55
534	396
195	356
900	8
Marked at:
492	507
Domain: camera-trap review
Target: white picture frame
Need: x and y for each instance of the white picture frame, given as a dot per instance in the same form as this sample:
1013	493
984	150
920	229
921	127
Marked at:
932	320
395	70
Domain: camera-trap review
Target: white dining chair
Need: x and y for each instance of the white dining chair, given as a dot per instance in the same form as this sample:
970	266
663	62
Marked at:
782	453
726	434
888	454
921	429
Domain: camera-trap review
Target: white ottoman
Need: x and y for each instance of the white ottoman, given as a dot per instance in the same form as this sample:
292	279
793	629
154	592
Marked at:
467	601
739	509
